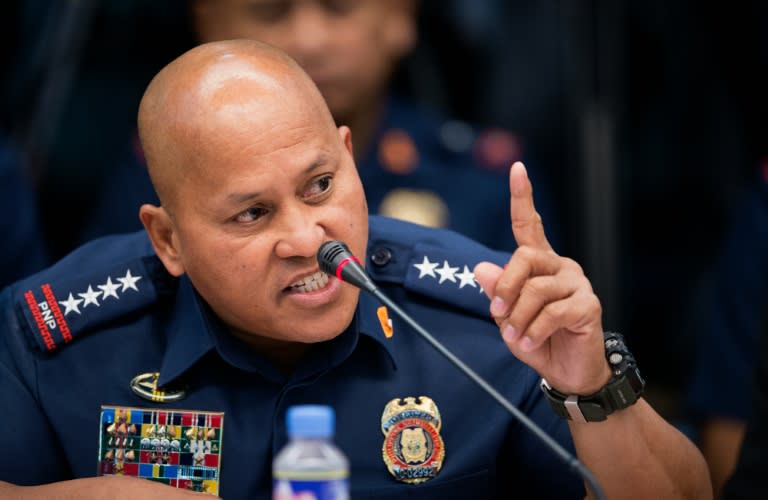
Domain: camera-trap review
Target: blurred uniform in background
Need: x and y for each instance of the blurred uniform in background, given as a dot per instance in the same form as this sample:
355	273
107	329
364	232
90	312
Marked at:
22	251
73	74
727	323
748	479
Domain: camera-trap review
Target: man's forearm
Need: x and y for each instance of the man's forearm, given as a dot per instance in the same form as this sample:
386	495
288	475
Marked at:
637	454
113	487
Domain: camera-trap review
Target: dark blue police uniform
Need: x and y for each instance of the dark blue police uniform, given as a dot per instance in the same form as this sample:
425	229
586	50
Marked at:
748	479
78	333
23	250
419	158
419	167
732	316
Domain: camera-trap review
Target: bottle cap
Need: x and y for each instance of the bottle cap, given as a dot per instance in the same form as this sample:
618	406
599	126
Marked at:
310	421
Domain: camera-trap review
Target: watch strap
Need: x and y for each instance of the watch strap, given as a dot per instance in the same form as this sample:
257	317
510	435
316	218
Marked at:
623	389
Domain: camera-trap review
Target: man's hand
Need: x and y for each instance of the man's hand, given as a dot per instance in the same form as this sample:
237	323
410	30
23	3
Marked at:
546	310
112	487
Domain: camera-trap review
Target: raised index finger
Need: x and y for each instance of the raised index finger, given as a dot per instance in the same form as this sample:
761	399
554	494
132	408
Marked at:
526	221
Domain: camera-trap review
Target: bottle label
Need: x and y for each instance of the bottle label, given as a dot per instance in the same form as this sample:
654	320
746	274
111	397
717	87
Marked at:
292	489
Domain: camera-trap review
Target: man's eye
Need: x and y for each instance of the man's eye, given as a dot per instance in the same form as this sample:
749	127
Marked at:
252	214
319	186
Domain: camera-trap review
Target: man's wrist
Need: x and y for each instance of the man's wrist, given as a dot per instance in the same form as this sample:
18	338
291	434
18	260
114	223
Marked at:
622	390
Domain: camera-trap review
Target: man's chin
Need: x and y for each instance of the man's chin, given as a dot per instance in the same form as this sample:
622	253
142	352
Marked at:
317	336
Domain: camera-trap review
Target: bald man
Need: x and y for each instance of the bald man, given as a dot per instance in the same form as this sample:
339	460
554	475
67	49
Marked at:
133	355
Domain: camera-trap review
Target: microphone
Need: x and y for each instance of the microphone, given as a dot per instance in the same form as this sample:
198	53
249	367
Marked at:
335	258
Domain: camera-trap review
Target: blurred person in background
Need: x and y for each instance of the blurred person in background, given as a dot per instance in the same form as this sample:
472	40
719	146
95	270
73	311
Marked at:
747	481
415	164
728	320
73	74
22	251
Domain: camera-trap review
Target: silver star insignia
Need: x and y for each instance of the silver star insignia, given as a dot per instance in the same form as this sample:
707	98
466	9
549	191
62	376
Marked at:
129	281
446	272
426	268
71	304
466	277
90	296
109	289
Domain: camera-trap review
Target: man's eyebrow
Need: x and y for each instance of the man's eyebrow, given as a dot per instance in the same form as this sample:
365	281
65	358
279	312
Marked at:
239	198
321	161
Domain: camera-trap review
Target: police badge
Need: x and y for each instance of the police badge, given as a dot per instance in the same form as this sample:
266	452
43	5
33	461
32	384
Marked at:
413	448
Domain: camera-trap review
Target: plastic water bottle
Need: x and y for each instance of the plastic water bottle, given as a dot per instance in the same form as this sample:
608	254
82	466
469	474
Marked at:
310	466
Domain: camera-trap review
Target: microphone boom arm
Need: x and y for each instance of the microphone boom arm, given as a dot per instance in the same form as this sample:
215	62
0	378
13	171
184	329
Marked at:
335	258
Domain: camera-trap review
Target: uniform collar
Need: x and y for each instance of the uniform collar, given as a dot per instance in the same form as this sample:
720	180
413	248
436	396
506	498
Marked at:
368	324
194	330
188	337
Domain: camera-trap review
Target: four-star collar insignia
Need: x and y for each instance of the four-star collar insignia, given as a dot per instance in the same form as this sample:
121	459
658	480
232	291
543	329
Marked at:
439	271
446	275
429	269
59	309
413	449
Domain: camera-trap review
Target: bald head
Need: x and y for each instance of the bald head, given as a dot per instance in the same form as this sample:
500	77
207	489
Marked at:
201	100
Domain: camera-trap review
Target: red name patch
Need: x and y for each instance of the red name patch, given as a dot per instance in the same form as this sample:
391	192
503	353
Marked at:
42	325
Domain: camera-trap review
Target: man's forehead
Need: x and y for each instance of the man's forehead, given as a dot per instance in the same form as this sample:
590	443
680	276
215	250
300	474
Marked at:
231	97
231	78
226	95
230	70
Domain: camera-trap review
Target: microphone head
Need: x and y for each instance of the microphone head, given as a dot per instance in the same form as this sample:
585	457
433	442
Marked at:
331	254
336	259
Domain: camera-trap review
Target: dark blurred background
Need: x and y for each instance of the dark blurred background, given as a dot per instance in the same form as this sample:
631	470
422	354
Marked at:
648	117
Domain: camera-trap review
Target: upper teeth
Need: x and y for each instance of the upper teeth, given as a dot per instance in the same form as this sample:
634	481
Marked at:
311	283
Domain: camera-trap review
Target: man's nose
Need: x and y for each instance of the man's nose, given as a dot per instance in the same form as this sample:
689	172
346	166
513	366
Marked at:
301	234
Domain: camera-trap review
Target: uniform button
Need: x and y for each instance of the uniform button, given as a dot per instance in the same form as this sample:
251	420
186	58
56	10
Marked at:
381	256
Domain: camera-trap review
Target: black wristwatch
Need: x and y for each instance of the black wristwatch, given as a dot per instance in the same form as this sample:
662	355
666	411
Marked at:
622	390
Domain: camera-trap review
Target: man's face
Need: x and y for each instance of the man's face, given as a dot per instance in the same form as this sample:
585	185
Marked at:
348	47
265	186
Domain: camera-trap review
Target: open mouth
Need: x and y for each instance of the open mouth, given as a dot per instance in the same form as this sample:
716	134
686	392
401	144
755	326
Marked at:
310	283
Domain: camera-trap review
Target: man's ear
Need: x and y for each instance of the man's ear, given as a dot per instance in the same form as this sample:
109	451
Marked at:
162	233
346	137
